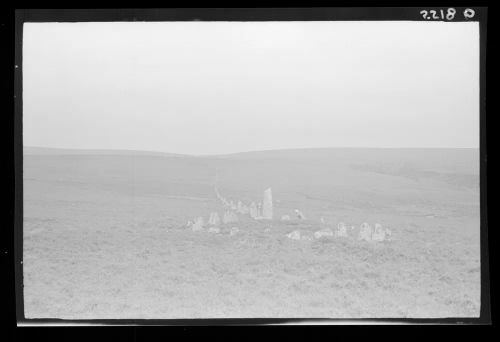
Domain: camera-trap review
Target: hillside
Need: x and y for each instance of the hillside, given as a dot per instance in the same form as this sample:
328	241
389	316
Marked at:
105	234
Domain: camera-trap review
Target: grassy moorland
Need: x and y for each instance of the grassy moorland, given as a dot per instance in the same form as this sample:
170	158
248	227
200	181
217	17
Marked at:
105	235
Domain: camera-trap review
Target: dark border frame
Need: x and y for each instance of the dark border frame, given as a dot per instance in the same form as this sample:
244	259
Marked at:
239	14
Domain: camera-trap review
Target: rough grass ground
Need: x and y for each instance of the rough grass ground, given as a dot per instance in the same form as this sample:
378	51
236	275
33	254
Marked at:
98	244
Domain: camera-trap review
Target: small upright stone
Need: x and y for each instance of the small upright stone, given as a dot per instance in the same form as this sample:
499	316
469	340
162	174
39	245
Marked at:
229	217
239	207
388	234
214	219
341	230
244	209
379	233
198	224
365	232
259	210
232	205
253	210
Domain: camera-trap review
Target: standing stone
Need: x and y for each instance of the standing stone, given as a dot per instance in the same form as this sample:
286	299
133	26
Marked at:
379	233
341	230
240	207
215	230
253	210
388	234
198	224
259	210
214	219
233	206
267	208
229	217
365	232
244	209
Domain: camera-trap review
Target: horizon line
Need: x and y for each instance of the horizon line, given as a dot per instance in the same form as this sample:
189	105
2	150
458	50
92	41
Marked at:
248	151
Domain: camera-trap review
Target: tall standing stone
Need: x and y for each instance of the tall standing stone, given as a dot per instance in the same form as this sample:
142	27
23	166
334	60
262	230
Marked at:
267	207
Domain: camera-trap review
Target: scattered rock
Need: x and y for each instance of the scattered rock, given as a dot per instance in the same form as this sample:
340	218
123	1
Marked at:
215	230
299	214
295	235
253	210
285	218
298	235
323	232
234	230
306	236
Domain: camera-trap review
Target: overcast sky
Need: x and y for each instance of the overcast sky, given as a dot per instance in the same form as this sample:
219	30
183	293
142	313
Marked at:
223	87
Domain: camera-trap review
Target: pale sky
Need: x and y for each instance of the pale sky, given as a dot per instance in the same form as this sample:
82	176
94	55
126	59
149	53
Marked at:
224	87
